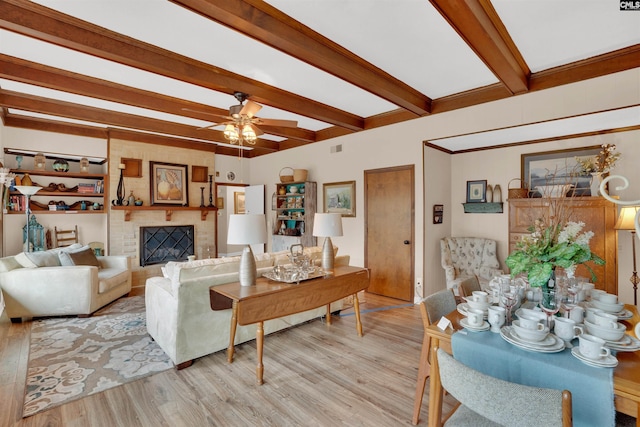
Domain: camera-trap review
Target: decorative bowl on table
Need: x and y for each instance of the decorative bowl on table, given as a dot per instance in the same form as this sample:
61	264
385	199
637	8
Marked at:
608	307
607	334
532	335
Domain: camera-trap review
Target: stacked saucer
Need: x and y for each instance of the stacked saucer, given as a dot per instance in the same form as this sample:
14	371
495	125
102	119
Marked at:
549	343
484	327
608	361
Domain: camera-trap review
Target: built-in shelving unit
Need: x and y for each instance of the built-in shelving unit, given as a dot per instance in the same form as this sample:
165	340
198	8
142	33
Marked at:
295	209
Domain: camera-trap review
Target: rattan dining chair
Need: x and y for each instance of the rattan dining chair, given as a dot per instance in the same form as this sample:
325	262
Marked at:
432	308
489	401
467	286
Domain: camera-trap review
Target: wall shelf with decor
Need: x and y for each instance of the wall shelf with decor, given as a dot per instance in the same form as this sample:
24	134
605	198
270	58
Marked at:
65	191
482	207
295	206
168	210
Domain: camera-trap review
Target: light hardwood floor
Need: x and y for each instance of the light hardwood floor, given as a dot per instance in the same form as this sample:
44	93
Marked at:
315	375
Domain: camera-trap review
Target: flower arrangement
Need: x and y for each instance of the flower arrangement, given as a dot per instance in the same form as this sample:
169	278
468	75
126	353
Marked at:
555	241
602	163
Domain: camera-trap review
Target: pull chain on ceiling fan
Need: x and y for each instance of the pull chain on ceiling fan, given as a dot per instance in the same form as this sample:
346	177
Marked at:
242	125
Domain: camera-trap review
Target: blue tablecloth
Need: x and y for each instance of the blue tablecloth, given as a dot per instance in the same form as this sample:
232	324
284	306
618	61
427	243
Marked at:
591	387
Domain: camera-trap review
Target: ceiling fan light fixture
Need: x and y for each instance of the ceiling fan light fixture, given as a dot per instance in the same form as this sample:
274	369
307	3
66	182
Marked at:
231	134
248	134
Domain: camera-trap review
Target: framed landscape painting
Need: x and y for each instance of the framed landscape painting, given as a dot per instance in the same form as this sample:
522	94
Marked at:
557	168
340	197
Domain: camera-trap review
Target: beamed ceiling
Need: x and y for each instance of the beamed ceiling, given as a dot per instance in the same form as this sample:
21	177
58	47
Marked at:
155	70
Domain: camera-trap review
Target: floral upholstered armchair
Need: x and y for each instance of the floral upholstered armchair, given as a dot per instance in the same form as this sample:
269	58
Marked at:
464	257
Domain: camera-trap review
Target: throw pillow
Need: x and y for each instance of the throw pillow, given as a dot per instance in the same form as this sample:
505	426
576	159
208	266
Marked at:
83	257
44	258
8	263
66	260
24	260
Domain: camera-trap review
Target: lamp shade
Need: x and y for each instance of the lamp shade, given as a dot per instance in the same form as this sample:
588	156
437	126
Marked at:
327	225
247	229
627	218
28	190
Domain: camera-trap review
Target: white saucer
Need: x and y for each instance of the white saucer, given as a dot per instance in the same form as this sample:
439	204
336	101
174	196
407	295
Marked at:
624	314
626	343
506	332
604	362
636	330
463	308
549	340
609	308
485	326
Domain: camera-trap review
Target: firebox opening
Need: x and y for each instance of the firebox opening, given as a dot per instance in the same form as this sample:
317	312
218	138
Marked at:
162	244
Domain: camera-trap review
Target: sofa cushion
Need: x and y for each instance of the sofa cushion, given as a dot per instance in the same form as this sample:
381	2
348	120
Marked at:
24	260
181	271
9	263
43	258
82	256
110	278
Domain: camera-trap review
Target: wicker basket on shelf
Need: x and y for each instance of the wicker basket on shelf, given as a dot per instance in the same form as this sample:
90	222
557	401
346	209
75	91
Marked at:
518	193
300	175
287	177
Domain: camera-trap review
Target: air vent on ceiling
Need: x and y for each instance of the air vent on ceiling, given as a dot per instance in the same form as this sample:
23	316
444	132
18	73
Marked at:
336	148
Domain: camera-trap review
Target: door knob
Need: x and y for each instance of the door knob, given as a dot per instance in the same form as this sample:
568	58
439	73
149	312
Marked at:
406	242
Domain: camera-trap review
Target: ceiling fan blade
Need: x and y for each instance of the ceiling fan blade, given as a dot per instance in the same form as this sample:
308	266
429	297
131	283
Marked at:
276	122
256	129
250	108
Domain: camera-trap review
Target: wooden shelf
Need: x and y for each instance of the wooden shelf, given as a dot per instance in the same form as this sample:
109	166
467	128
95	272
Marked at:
75	175
482	207
168	210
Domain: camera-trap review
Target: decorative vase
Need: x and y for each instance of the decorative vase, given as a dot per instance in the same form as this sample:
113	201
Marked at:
497	194
26	180
596	179
61	165
489	194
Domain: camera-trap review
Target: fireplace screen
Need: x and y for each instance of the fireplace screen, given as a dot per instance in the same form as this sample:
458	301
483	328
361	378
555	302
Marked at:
162	244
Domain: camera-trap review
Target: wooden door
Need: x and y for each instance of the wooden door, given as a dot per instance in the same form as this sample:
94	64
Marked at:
389	231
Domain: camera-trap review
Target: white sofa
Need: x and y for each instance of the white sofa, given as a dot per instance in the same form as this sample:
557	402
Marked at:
464	257
179	314
38	284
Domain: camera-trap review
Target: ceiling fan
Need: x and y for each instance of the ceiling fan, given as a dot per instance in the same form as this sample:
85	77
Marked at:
242	125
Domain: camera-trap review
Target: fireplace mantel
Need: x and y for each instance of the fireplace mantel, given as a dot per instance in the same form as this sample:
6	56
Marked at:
204	210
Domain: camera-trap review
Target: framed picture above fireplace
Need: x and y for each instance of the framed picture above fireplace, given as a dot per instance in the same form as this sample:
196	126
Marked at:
169	184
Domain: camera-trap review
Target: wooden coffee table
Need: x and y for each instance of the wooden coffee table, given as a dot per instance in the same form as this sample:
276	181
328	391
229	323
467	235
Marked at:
269	300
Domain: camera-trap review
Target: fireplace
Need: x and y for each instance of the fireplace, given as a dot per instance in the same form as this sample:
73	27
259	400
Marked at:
162	244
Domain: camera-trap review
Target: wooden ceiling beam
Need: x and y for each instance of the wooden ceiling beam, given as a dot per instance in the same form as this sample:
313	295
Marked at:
37	21
20	70
98	115
261	21
46	125
478	24
167	141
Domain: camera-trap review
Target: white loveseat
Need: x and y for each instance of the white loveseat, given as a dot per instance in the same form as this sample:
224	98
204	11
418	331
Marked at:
38	284
179	314
464	257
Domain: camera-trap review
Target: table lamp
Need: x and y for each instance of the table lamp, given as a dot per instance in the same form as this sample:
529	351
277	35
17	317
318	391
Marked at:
627	221
28	190
327	225
247	229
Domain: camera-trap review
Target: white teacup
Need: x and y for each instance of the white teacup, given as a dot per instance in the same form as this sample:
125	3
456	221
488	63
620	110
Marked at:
566	329
475	317
480	296
191	257
590	314
606	320
596	294
592	347
496	317
577	314
608	298
531	322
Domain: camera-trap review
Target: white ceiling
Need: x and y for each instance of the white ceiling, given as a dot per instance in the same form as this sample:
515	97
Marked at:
408	39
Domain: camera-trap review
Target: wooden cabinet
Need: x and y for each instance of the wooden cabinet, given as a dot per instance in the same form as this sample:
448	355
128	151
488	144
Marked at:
295	206
599	216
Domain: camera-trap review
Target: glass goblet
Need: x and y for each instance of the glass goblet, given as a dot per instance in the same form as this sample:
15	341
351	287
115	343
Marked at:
508	298
550	303
570	296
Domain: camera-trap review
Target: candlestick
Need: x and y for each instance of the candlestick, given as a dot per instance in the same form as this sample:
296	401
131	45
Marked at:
211	205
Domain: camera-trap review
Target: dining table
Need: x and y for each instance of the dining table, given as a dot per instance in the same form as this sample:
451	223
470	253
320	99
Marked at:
625	377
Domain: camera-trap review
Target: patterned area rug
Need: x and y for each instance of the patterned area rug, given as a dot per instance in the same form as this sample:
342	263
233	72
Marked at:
70	358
